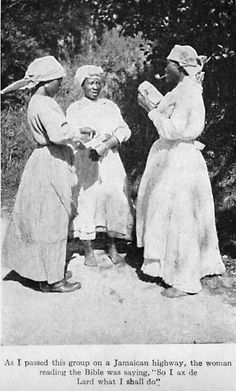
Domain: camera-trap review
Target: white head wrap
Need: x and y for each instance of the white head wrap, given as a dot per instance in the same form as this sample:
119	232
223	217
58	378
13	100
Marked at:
40	70
88	71
187	58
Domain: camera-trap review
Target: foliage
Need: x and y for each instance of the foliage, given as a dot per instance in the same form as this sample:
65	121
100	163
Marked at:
210	27
122	59
32	28
16	145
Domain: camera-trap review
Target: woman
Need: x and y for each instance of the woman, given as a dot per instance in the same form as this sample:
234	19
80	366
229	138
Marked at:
36	238
102	190
175	210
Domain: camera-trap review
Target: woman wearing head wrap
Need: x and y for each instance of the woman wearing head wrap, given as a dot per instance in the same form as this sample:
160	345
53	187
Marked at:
175	209
36	238
102	191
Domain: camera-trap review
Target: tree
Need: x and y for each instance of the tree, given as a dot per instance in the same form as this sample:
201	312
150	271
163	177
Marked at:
32	28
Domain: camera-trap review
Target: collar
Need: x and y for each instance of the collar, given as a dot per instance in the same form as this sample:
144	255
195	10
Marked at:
86	102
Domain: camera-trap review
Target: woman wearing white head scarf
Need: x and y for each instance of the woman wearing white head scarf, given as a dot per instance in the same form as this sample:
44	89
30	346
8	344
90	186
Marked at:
35	242
175	209
102	190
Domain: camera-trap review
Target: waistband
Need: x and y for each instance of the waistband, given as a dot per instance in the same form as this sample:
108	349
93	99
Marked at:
197	144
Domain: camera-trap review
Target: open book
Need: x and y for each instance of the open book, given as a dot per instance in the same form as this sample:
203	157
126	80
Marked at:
149	91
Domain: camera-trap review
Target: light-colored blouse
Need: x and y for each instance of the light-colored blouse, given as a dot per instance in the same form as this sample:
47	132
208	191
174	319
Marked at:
101	115
181	113
47	121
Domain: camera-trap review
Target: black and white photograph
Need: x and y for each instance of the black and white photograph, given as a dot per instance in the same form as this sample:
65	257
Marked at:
118	196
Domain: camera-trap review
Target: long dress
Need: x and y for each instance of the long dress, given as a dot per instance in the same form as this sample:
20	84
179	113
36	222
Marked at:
36	237
175	208
103	202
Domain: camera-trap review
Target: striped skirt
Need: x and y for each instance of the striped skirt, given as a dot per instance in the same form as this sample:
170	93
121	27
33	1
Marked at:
35	240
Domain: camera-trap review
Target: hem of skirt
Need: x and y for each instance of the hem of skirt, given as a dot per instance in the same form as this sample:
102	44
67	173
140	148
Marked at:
168	281
179	286
92	235
176	285
212	273
32	277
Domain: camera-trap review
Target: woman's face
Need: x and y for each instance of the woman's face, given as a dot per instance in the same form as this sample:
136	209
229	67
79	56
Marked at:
92	87
53	86
173	72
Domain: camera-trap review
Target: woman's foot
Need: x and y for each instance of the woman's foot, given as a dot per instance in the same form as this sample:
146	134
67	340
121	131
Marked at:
113	253
173	292
90	259
62	286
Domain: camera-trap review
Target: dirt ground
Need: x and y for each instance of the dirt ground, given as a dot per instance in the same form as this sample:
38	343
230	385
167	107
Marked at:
116	306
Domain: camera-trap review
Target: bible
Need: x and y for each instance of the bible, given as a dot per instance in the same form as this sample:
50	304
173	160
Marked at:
150	92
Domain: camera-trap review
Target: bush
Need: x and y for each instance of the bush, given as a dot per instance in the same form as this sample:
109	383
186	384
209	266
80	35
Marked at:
122	59
17	144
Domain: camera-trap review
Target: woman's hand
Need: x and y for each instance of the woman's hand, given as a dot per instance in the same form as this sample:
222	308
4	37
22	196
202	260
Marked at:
102	148
86	134
100	151
144	102
93	155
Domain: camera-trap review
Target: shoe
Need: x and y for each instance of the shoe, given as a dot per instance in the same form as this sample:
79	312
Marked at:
62	286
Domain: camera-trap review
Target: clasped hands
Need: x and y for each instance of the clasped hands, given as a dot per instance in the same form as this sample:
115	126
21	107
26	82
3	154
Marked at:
100	151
